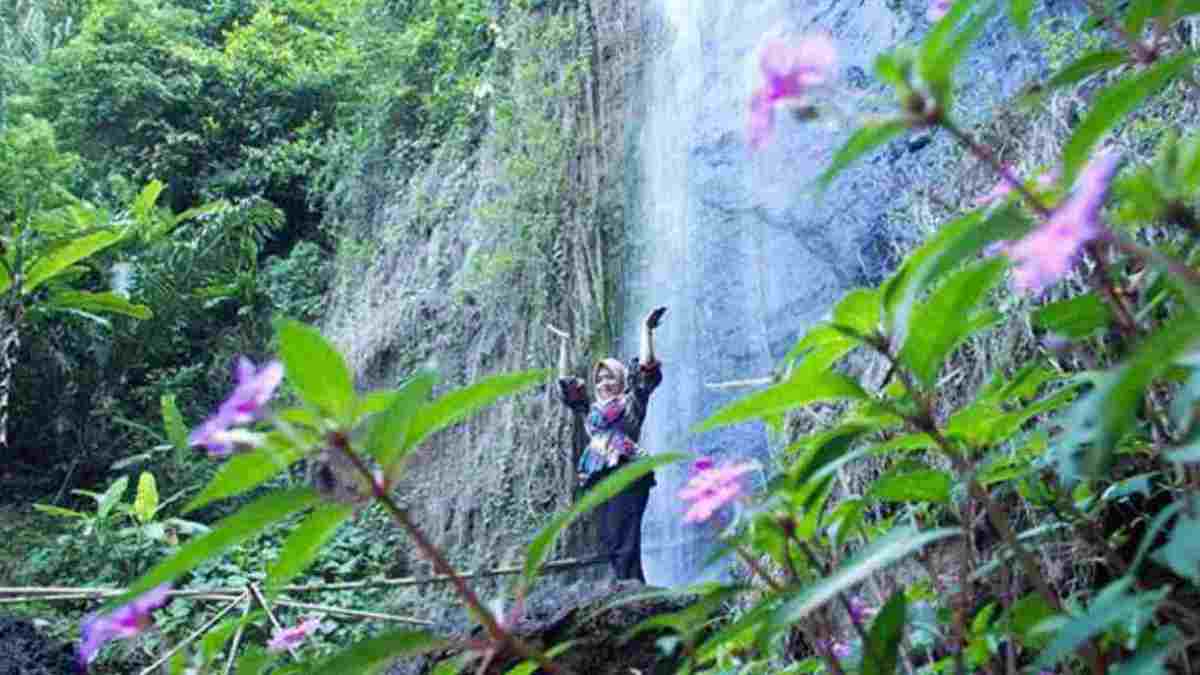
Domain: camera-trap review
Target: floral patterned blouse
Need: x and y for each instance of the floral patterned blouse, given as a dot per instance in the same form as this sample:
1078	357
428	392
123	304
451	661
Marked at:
613	426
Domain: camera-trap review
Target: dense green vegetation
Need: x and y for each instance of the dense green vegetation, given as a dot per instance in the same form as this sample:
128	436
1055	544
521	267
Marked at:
249	107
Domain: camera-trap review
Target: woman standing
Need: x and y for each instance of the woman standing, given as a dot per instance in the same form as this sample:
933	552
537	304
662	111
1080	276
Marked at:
613	421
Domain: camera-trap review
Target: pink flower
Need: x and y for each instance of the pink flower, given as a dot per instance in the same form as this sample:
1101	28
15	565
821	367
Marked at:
1050	251
788	72
713	487
255	386
938	9
290	638
124	622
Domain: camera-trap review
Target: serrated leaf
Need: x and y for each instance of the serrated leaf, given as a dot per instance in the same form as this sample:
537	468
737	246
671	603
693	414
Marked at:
173	423
386	441
884	551
1114	103
864	139
956	242
1074	318
111	497
925	485
880	653
461	403
948	317
103	303
316	369
807	385
247	522
305	542
606	489
145	504
245	471
372	654
64	256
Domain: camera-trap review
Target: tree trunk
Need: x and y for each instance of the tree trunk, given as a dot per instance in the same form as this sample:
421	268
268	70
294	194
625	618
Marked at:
11	313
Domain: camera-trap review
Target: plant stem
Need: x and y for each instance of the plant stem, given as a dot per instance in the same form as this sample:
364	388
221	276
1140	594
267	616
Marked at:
442	566
758	570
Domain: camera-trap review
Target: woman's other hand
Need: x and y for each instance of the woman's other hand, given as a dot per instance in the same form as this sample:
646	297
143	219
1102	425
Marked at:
655	317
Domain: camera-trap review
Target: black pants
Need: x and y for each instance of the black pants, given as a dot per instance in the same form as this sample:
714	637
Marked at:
620	521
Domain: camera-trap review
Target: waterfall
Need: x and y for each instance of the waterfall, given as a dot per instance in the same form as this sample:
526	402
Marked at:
729	240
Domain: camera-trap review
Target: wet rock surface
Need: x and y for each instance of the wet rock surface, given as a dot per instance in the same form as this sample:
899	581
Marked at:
25	651
583	614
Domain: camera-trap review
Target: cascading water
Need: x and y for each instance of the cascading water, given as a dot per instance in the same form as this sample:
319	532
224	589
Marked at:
727	238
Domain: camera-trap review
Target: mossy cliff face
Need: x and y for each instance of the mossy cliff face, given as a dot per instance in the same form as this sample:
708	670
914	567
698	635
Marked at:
458	262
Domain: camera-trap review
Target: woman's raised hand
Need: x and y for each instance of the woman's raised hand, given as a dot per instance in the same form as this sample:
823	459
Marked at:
655	317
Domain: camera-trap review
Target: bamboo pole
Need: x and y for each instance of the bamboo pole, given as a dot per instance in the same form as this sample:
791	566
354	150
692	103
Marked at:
66	592
352	612
237	638
195	634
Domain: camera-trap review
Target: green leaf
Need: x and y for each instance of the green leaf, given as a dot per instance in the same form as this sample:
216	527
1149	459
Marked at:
59	259
143	205
943	48
247	522
1074	318
305	542
173	424
821	347
462	403
925	485
866	138
1020	11
1111	605
373	654
453	665
877	555
956	242
1026	614
1115	102
245	471
1110	411
59	511
386	442
111	497
883	640
529	667
948	317
1085	66
808	384
316	369
1182	552
103	303
861	310
145	504
540	547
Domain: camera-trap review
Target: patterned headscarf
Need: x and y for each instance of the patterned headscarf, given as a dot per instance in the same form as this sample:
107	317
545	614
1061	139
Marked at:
615	366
